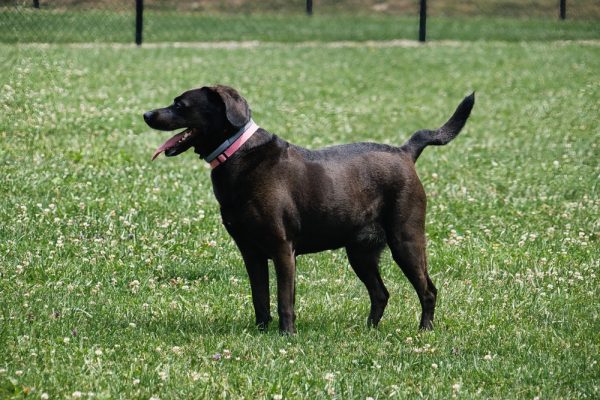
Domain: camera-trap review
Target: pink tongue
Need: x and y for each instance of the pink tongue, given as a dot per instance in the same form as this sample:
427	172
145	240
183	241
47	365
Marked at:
168	144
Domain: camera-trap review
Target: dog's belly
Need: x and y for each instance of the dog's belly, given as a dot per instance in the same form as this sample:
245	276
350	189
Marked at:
337	218
319	238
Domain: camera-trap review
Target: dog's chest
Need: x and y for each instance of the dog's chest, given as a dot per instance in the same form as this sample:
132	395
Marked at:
244	225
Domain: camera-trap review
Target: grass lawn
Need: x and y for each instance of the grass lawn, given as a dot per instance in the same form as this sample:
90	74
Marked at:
117	279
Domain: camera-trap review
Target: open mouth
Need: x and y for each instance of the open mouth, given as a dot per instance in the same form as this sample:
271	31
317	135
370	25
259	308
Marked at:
176	144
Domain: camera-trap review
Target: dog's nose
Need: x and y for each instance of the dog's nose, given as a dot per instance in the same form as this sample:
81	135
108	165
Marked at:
148	116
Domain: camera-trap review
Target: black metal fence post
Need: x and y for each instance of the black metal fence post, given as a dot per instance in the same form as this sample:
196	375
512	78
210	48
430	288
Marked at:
309	8
563	9
422	20
36	3
139	19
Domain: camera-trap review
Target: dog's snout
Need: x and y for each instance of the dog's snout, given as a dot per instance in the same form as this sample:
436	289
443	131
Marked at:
148	116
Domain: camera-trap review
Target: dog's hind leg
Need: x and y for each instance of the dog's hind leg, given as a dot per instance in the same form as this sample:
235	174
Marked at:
365	263
409	254
406	239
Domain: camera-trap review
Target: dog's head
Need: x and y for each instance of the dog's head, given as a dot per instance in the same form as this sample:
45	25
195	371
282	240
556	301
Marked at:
209	115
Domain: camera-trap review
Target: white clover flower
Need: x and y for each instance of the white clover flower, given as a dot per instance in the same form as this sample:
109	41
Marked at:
195	376
134	286
163	375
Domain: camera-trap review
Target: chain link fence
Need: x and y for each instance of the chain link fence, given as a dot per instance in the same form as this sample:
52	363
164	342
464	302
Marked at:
72	21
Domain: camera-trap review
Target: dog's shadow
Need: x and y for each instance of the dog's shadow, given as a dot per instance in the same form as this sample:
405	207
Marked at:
191	325
204	325
191	320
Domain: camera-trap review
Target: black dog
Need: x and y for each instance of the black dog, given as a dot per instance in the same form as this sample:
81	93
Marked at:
279	200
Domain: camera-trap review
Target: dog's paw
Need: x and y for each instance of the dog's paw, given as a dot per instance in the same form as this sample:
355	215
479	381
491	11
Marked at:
263	326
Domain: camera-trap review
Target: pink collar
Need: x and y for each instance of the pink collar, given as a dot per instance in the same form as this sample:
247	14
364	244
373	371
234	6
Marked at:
227	148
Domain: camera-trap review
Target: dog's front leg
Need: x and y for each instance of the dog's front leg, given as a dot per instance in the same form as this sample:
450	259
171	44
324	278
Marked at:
285	269
258	272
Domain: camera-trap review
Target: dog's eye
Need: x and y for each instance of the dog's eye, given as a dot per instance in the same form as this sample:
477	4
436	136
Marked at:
179	105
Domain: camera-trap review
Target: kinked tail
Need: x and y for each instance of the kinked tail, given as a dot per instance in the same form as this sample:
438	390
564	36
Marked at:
423	138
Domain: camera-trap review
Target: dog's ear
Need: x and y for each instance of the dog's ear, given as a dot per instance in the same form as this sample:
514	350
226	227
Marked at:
236	108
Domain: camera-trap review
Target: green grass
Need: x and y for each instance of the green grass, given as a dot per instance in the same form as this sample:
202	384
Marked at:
117	279
98	26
